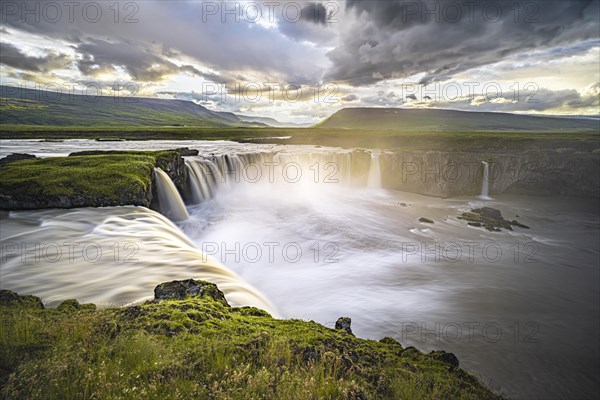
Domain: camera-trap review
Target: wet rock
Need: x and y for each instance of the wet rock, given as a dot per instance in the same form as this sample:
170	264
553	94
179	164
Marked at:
426	220
520	225
10	298
186	151
490	219
180	290
343	323
488	212
15	157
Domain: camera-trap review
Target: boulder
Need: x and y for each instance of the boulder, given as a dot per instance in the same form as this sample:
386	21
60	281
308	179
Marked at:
186	151
488	212
343	323
15	157
72	305
10	298
180	290
426	220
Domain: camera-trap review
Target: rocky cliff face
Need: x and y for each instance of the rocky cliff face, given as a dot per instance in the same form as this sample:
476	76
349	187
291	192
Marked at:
449	174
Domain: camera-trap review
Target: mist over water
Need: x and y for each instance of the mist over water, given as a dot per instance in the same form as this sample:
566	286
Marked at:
515	307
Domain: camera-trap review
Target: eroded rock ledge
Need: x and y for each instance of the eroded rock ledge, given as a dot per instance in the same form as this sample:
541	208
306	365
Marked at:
87	179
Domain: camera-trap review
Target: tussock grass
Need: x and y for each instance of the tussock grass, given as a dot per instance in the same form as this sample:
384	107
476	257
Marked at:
200	348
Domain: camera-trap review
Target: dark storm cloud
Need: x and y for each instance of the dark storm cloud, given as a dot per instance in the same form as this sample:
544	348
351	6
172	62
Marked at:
13	57
314	12
391	39
313	25
182	27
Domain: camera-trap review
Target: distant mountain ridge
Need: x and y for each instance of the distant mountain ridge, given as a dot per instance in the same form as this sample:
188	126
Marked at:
405	119
21	106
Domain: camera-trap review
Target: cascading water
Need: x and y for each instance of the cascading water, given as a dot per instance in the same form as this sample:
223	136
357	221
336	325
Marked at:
485	186
109	255
374	178
170	202
294	169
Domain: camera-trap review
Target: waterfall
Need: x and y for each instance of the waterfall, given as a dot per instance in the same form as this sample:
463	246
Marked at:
206	174
170	202
485	186
108	256
374	178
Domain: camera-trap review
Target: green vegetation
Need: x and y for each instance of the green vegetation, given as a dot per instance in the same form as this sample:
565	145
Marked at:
443	141
91	178
64	108
202	348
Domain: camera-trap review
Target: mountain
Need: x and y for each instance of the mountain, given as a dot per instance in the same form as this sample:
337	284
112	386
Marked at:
21	106
270	122
402	119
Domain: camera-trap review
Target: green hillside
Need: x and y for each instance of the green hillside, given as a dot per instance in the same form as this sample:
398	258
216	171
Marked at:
34	108
432	120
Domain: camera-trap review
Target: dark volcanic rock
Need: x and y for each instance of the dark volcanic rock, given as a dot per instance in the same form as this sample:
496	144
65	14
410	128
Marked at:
10	298
488	212
490	219
517	223
186	151
426	220
15	157
343	323
180	290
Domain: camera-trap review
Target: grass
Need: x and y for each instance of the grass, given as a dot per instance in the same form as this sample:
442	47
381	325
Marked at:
512	141
109	178
201	348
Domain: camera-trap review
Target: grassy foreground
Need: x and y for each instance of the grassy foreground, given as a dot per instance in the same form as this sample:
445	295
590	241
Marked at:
201	347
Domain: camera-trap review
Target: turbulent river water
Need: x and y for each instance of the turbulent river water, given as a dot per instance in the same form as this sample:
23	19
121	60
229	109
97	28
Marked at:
519	309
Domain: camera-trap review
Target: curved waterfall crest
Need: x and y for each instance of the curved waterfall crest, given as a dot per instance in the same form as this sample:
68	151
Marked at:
132	249
206	174
170	202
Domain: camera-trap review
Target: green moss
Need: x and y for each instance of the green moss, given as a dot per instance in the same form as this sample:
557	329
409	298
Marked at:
202	348
95	178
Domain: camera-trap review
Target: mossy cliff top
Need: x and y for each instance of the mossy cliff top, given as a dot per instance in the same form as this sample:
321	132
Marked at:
85	179
192	344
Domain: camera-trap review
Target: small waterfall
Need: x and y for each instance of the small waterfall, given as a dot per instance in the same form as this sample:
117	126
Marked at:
374	178
485	186
170	202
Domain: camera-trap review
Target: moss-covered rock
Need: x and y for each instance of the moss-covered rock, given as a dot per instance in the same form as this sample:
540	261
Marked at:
199	347
10	298
180	290
87	179
72	305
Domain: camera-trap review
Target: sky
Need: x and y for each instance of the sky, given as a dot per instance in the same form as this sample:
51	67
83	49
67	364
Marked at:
300	61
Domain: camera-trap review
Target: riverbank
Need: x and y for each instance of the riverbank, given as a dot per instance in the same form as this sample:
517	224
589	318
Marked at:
189	343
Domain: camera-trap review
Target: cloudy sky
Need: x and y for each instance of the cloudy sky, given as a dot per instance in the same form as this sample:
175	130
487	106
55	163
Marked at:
302	61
